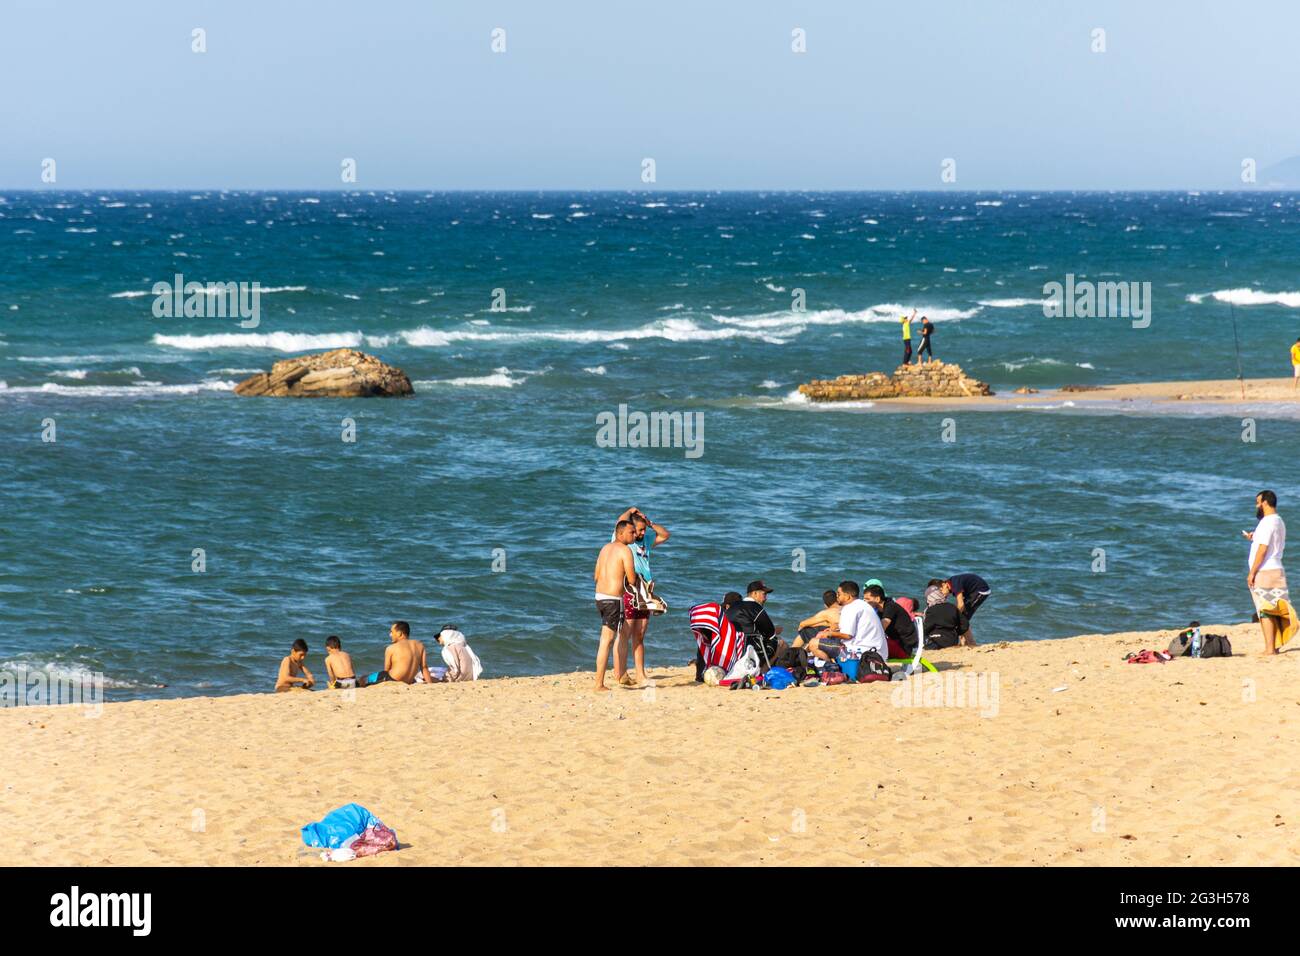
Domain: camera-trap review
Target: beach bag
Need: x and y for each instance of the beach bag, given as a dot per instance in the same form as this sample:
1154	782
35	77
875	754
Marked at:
1216	645
645	599
830	678
747	666
339	826
872	667
778	678
376	839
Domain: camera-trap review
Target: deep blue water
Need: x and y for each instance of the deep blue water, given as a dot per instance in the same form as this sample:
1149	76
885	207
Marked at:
664	302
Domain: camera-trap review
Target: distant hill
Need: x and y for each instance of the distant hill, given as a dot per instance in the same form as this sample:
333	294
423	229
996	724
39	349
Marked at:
1283	175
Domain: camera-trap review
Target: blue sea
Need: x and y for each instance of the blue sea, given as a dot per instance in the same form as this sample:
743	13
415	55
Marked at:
521	318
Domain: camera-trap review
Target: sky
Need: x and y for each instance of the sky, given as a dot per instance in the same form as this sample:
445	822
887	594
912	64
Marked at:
1011	92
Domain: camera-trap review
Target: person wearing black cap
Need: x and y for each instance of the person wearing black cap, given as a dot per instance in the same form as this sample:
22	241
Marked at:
752	620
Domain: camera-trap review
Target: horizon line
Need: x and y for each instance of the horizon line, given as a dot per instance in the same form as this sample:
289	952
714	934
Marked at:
614	190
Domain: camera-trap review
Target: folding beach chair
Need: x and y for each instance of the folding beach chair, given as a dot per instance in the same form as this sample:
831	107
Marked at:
716	638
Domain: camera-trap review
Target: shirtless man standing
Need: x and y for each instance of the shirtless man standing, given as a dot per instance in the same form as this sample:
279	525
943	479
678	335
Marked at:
404	658
614	572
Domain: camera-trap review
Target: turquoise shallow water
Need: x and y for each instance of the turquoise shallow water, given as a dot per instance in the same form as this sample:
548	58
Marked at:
671	302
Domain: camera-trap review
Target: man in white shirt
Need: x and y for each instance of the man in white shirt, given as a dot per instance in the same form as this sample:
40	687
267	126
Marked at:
1267	578
859	630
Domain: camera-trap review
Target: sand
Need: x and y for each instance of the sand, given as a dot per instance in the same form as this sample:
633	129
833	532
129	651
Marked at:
1166	395
1078	759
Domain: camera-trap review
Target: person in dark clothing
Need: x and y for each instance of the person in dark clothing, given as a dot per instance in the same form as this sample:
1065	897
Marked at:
942	621
894	618
752	620
927	329
972	591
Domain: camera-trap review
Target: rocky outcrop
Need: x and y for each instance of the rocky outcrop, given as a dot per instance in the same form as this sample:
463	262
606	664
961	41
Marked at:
927	380
342	373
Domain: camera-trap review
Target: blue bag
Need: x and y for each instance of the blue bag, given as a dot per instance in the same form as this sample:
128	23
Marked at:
779	678
339	826
850	668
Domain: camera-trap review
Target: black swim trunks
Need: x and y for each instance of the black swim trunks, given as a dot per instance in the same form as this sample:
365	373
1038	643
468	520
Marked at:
611	613
973	603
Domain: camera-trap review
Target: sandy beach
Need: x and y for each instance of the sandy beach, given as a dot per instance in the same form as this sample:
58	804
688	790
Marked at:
1258	391
1067	756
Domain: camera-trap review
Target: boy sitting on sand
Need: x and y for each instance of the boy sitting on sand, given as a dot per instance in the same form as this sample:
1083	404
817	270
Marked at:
338	665
293	672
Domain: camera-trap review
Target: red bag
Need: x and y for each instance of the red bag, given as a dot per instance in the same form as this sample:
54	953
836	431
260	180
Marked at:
376	839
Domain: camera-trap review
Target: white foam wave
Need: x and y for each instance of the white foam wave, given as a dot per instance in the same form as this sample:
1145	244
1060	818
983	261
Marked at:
672	330
500	378
275	341
70	674
136	390
1249	297
1012	303
797	399
790	323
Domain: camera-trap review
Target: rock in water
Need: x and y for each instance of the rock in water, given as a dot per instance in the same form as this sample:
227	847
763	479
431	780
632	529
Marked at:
342	373
927	380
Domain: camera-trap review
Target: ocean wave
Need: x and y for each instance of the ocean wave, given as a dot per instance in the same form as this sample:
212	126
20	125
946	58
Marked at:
1013	303
500	378
78	374
797	399
1030	361
143	389
672	330
792	322
595	370
262	290
1249	297
275	341
70	673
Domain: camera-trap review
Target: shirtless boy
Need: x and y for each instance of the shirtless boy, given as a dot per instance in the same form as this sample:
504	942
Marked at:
614	572
293	672
338	665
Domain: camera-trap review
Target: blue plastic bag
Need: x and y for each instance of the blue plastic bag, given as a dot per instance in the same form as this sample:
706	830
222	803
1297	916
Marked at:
778	678
339	826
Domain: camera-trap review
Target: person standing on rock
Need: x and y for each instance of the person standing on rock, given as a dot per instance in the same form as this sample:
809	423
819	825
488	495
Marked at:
927	329
907	336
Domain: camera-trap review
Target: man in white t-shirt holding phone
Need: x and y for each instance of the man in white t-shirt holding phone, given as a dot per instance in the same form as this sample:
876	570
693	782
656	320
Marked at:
1267	578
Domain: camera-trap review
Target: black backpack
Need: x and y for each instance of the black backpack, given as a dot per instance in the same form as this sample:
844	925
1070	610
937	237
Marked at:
1215	645
872	667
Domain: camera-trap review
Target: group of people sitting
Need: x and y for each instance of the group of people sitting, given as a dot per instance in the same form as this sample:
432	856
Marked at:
404	661
854	623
